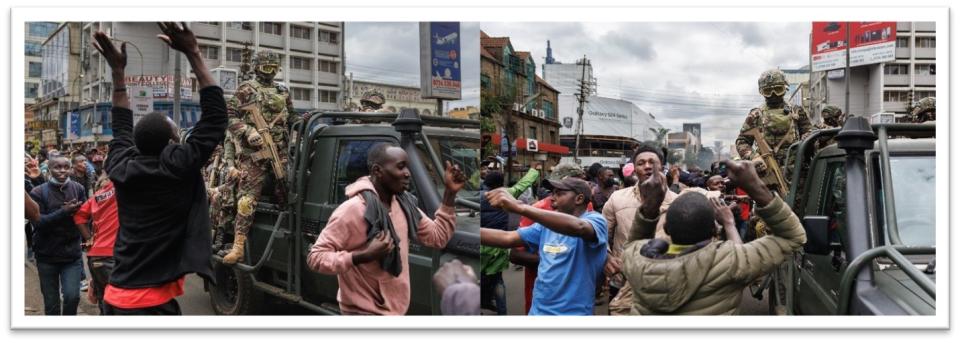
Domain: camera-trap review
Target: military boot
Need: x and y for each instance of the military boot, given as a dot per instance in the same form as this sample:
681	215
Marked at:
217	240
236	253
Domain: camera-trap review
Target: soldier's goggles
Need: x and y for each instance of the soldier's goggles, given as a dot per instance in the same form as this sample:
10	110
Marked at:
267	68
779	90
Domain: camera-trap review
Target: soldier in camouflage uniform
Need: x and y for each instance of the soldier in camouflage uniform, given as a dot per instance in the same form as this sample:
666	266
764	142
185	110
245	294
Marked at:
781	125
221	180
372	101
831	118
924	111
253	159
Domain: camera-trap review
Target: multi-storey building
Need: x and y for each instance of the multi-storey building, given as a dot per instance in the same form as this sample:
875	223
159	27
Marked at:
35	34
527	110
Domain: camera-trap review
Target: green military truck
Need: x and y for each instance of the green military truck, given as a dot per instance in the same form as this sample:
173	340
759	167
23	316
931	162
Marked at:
331	153
867	204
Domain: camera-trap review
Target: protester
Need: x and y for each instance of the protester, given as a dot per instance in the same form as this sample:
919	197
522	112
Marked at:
607	183
619	213
161	199
571	243
31	179
366	241
458	285
101	210
56	239
528	258
694	274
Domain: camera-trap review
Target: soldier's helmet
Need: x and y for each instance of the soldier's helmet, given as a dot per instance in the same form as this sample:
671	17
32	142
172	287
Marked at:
772	82
372	99
266	62
925	110
832	115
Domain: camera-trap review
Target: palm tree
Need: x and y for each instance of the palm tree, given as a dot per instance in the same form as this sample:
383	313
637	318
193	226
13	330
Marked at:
661	134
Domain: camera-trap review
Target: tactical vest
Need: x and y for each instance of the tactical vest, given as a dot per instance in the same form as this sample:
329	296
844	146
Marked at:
273	106
778	127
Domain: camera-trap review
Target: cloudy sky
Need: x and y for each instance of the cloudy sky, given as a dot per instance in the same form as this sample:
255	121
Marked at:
390	53
681	72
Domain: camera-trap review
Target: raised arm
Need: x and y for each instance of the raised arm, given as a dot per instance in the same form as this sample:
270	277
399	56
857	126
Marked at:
556	221
500	238
122	116
180	38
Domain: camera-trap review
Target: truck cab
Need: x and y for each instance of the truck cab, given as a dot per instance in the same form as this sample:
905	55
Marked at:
327	153
867	204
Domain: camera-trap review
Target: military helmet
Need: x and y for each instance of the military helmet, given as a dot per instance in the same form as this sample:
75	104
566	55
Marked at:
831	111
373	97
266	57
924	105
772	82
563	170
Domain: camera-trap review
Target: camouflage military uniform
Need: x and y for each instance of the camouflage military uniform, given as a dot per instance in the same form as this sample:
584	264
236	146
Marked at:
924	111
253	159
781	124
372	101
831	118
221	177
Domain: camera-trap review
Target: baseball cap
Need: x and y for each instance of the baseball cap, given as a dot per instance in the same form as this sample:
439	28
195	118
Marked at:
570	184
564	170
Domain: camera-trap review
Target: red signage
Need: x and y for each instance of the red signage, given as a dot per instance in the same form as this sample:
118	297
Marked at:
828	45
871	42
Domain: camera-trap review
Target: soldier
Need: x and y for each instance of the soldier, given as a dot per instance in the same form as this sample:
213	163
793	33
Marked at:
832	117
268	102
221	189
924	111
779	123
372	101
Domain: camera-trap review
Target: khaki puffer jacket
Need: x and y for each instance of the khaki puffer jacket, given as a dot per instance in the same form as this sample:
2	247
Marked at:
710	280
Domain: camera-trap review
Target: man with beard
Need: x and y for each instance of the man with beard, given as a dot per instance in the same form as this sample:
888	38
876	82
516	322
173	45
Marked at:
366	241
56	239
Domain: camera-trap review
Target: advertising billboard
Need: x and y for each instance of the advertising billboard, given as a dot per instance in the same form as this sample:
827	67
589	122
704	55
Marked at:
440	60
141	101
606	117
871	42
828	45
162	85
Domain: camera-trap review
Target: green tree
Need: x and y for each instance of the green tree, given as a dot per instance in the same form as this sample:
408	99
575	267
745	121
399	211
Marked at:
661	134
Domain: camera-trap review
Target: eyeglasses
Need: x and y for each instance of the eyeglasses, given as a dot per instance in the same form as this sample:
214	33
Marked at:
779	90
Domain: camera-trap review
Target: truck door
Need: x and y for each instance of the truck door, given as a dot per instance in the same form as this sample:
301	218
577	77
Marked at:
818	285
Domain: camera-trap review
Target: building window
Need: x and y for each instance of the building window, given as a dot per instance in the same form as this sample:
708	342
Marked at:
271	28
328	96
925	69
903	42
33	49
301	94
240	25
212	23
926	42
234	55
895	69
923	94
895	96
547	108
35	69
299	63
300	32
329	37
41	29
329	67
532	134
210	52
485	82
30	89
553	136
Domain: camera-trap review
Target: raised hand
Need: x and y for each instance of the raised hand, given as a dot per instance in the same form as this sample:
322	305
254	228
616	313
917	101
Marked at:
179	37
722	213
743	174
453	177
116	58
501	198
652	193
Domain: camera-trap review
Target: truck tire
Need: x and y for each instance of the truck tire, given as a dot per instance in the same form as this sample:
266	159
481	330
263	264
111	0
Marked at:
234	293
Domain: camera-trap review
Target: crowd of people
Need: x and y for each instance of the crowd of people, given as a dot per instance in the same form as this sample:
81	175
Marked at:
591	239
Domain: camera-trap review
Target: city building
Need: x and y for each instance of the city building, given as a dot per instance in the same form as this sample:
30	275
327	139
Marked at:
469	112
60	84
396	97
610	127
525	106
35	34
890	87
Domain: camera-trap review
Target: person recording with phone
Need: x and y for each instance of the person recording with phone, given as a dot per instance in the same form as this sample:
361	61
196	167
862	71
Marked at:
56	239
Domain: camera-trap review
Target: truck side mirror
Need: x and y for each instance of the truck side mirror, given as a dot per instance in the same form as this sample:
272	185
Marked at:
818	236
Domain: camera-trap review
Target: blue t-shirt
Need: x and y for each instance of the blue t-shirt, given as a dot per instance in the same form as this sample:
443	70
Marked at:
569	268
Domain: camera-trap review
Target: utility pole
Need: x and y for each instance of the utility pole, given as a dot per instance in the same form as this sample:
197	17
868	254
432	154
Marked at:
176	88
846	75
582	99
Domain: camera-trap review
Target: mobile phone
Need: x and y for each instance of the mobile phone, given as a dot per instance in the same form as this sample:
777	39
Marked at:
722	169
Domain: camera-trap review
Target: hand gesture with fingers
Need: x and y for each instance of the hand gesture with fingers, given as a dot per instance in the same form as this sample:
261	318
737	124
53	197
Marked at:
652	194
453	177
116	58
179	37
722	213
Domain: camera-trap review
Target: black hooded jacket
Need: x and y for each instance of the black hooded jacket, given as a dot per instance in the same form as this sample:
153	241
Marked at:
162	204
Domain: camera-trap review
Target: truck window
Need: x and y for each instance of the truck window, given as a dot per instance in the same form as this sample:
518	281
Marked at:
914	192
461	151
351	165
834	204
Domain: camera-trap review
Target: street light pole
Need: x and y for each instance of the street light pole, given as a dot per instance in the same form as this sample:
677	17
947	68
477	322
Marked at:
846	75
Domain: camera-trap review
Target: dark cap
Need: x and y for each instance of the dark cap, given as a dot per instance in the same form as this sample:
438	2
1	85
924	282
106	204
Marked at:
570	184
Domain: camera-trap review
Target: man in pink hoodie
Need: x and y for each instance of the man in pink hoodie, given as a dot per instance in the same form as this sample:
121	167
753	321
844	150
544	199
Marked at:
372	267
